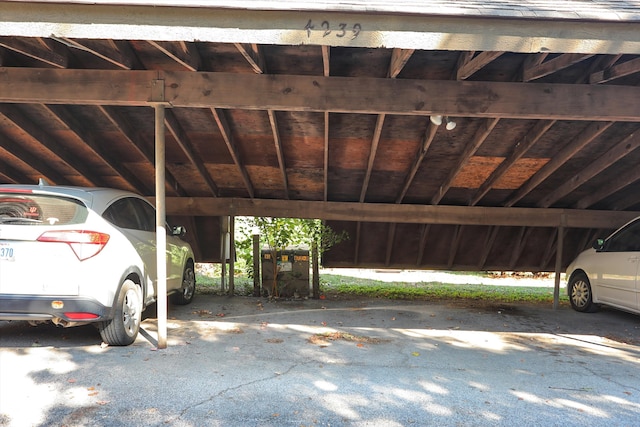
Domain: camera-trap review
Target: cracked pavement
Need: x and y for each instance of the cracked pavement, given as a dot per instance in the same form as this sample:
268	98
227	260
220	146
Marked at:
246	361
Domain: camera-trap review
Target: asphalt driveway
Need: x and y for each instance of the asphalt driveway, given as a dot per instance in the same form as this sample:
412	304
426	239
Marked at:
249	362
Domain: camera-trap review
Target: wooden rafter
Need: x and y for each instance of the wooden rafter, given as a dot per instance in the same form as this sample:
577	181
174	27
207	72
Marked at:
33	161
608	189
134	139
117	52
492	234
399	58
326	71
576	144
11	174
391	233
253	54
616	71
181	138
184	53
48	141
519	150
279	152
372	156
520	243
455	242
48	52
478	138
223	125
425	143
65	118
424	234
553	65
618	151
472	65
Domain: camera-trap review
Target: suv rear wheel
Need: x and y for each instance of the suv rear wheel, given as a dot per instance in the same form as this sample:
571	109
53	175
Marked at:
187	291
123	328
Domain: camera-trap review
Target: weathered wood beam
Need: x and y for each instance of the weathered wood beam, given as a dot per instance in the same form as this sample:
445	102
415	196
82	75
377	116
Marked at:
604	191
469	150
133	137
372	155
553	65
519	150
590	133
173	125
618	151
399	58
48	142
424	234
325	162
616	71
11	175
279	152
356	251
253	54
520	242
181	52
47	53
62	115
33	161
223	125
116	52
492	234
317	93
474	64
391	235
401	213
425	143
455	243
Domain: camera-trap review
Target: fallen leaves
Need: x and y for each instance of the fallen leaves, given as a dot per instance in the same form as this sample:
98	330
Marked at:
323	339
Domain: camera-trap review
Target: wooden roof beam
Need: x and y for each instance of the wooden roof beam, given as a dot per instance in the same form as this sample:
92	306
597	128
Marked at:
480	136
48	142
621	149
552	65
519	150
474	64
253	54
223	125
134	139
590	133
12	175
116	52
45	51
372	155
279	152
184	53
173	125
399	58
616	71
34	162
326	71
610	188
427	139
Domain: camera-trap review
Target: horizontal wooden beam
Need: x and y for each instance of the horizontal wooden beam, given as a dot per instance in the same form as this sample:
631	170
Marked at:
406	25
397	213
317	93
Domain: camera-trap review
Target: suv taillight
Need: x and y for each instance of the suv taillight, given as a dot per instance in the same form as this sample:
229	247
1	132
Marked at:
85	244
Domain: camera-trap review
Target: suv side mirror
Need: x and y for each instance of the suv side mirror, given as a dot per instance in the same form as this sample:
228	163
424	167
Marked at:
598	244
179	231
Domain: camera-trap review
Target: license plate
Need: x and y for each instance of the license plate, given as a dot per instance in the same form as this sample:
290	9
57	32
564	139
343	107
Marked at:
7	253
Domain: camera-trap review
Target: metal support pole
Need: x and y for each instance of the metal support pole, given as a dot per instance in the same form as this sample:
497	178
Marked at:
161	232
256	265
232	251
559	249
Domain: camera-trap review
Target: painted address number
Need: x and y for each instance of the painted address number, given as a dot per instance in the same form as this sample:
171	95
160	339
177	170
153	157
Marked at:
341	30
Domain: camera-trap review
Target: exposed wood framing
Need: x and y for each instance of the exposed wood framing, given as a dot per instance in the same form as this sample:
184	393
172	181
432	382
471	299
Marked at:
182	52
553	65
471	65
278	144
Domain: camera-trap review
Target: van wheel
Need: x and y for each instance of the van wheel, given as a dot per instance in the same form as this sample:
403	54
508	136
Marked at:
580	294
123	328
188	289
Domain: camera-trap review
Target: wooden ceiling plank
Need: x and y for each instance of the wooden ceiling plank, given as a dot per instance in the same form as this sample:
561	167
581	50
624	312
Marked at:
65	118
424	234
127	132
372	155
173	125
478	138
492	234
520	148
427	139
391	235
55	57
520	242
476	63
223	125
553	65
626	202
455	243
12	175
253	54
48	172
316	93
401	213
607	190
49	142
279	152
618	151
590	133
399	58
616	71
183	53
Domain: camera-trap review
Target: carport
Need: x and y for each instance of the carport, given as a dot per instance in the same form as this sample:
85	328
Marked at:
341	111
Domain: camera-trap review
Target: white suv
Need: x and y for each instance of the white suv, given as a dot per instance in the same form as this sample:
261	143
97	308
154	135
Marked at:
75	255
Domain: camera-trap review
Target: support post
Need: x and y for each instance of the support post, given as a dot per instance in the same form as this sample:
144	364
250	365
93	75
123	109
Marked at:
161	232
256	264
223	252
232	252
315	280
559	249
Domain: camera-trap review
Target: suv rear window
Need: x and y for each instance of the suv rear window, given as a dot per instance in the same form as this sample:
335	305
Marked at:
36	209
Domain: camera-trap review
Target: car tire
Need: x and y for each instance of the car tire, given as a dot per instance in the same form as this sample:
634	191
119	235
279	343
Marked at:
188	289
580	294
123	328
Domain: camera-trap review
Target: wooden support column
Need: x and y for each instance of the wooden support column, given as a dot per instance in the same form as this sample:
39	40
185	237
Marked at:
161	232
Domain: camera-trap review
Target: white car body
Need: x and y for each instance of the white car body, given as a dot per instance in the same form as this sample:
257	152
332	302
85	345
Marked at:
48	274
611	270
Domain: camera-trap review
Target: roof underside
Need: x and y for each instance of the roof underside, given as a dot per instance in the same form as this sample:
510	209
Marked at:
324	111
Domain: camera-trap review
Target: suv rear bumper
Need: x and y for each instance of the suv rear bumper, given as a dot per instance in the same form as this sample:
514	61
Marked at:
50	307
